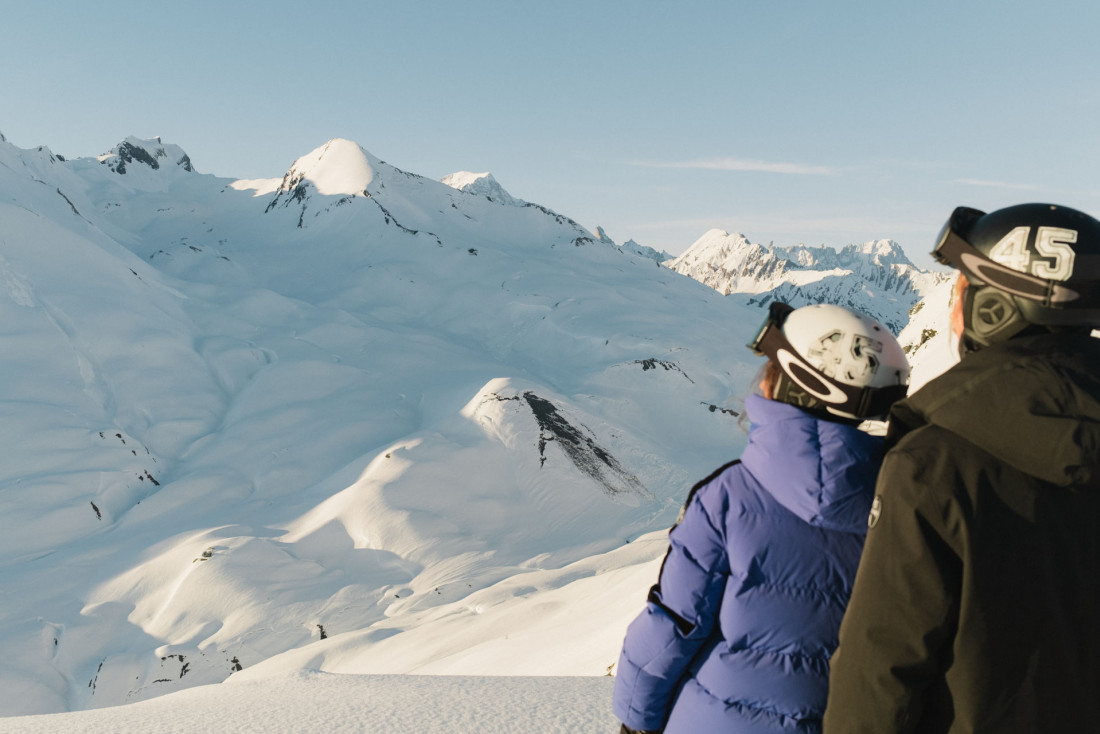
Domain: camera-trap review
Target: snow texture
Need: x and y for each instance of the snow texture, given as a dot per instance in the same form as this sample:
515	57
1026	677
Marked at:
302	701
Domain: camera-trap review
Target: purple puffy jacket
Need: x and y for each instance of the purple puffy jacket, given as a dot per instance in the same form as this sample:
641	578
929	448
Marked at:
737	633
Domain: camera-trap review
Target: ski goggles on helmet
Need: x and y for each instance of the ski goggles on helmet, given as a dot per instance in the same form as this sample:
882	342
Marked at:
860	402
953	250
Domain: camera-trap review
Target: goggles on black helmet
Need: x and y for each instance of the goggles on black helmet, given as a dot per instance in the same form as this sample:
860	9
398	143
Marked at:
952	249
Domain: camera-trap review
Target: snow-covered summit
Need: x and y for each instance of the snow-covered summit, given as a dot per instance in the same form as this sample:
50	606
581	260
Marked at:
658	256
882	253
480	184
338	167
632	247
151	153
341	169
729	263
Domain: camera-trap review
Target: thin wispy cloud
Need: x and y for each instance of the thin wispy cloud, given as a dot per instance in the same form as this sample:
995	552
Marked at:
740	164
995	184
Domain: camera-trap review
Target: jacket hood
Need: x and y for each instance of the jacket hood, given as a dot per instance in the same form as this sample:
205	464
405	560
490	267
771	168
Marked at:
823	472
1033	403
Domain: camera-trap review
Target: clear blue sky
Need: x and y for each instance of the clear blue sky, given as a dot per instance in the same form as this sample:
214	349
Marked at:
789	121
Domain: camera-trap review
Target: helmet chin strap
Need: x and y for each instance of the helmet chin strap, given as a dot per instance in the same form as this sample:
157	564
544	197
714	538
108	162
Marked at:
989	315
787	390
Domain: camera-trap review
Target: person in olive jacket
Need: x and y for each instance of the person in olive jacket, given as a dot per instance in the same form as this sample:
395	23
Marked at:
976	606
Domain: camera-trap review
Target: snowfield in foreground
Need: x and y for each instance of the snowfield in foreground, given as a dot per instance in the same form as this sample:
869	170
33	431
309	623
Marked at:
308	701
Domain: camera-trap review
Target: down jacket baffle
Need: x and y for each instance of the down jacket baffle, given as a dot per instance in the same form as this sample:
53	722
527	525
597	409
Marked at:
737	633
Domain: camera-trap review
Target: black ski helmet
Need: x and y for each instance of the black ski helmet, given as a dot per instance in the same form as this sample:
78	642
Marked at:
1029	265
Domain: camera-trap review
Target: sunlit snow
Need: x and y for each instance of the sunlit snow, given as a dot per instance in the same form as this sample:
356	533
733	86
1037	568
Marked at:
353	421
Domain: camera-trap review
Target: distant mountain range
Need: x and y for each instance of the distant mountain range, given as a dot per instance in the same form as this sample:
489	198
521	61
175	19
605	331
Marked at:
874	277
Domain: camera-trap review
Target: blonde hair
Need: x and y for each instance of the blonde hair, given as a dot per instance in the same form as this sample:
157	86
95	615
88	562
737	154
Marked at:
763	385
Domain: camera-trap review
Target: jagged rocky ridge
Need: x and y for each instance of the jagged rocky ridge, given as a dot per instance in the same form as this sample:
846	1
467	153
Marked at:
874	277
140	151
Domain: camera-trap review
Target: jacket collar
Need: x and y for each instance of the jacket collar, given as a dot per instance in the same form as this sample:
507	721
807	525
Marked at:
1031	402
822	471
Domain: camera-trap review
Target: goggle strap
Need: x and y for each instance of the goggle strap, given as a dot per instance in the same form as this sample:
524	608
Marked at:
858	401
956	251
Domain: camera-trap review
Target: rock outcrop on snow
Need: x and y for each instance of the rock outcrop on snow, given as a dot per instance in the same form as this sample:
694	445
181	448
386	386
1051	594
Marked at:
150	153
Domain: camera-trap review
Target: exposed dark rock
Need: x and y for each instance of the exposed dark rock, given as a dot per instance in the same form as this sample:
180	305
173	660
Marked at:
925	335
654	363
581	449
67	201
128	153
92	682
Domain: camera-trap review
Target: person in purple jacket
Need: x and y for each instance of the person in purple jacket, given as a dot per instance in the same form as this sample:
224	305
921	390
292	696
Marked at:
736	634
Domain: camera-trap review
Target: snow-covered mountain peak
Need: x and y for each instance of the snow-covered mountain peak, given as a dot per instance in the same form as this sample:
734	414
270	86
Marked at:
881	252
719	239
152	153
463	180
338	167
480	184
657	256
875	277
718	248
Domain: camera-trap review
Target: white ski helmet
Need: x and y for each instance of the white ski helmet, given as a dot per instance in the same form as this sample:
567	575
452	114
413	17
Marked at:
833	360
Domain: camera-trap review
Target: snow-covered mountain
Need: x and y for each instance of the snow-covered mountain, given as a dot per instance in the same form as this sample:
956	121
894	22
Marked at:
658	256
874	277
351	415
149	153
351	419
481	184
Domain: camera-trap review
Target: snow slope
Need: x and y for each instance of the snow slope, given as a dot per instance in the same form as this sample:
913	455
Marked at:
354	420
926	338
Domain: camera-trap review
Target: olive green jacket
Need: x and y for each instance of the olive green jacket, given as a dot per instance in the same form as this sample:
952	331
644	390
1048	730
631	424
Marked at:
976	607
